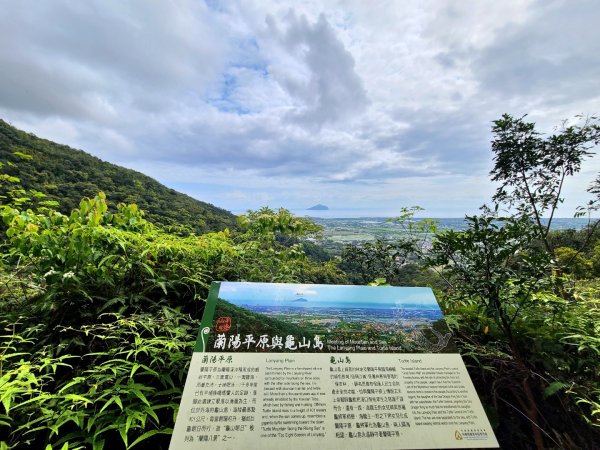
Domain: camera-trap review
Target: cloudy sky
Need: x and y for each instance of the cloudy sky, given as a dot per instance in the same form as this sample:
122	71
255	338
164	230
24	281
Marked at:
360	105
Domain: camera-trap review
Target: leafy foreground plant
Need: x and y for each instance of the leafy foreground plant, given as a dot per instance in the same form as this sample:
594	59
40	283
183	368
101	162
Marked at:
559	345
99	312
503	274
94	261
494	266
125	389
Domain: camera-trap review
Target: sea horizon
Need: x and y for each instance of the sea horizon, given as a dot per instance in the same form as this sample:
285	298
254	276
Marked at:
353	214
558	223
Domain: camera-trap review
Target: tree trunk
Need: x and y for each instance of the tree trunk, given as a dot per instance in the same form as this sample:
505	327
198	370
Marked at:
532	414
530	404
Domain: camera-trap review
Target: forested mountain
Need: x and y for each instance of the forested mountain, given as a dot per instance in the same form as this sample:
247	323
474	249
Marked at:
66	175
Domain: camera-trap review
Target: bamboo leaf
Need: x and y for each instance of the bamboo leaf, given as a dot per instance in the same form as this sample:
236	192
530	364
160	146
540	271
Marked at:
148	434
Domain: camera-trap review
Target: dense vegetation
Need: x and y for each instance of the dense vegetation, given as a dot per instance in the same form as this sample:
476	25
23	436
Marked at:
100	311
100	307
66	175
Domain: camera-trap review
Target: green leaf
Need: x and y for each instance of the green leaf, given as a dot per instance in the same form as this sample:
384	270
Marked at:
163	286
123	433
553	388
23	156
141	396
151	413
148	434
114	399
6	399
76	380
76	397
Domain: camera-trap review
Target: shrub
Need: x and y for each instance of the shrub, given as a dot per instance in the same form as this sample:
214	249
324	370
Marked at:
123	388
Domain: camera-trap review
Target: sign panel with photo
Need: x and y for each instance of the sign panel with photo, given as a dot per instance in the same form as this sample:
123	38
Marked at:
338	367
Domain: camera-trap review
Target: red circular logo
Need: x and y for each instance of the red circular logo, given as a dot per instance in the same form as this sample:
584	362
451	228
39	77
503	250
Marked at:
223	324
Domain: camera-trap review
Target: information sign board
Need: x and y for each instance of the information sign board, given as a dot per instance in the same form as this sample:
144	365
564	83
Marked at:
330	367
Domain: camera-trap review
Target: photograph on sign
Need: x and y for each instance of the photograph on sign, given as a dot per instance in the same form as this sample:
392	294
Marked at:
304	318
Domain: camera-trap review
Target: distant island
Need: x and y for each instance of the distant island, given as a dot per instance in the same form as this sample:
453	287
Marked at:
318	207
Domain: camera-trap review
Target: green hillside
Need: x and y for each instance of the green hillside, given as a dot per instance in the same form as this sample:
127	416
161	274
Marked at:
247	322
66	175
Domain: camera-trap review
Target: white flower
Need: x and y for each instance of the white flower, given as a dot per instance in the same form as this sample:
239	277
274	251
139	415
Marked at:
49	273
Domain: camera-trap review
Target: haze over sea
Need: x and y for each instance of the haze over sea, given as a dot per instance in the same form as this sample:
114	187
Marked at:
360	229
446	223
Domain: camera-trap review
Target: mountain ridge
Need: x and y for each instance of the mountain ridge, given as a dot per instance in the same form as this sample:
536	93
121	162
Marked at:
66	175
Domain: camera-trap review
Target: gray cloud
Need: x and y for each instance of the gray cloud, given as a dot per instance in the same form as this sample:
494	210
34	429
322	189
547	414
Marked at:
554	56
459	142
330	90
87	60
255	146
